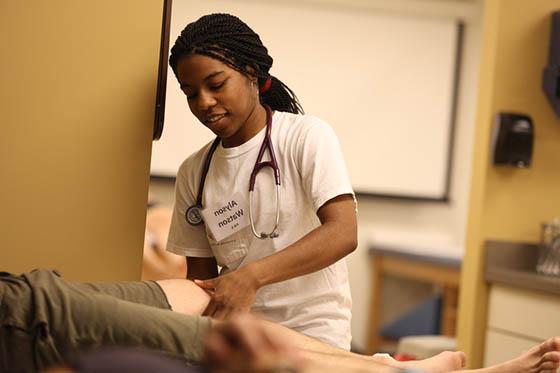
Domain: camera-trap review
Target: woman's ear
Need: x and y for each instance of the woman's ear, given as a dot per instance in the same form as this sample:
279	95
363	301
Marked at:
252	72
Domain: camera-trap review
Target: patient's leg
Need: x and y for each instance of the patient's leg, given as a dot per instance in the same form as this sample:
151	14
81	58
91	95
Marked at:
447	361
44	318
184	296
179	295
544	358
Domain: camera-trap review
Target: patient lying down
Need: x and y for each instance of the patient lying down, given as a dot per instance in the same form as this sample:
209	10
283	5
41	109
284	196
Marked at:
46	319
246	343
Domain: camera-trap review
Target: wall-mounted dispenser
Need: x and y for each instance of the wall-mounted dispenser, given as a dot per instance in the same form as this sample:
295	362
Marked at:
551	73
512	140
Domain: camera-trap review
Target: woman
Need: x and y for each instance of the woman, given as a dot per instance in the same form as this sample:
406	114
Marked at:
284	260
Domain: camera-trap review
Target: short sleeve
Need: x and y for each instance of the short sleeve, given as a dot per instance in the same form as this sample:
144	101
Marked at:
323	169
184	238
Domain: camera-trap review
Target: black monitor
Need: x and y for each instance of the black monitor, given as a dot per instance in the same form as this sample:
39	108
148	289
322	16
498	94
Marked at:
551	73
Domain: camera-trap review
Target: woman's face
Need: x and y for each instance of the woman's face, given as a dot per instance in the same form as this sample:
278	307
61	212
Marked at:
220	97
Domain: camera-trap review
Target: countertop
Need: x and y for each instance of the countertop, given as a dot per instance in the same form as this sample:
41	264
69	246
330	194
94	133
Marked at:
514	263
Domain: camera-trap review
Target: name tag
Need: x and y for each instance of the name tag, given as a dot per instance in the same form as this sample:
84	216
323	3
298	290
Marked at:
228	218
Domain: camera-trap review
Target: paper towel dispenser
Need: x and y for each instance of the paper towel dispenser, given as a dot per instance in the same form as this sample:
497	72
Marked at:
512	140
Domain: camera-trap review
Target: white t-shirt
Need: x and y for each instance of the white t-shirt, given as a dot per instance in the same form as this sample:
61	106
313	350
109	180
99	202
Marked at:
312	171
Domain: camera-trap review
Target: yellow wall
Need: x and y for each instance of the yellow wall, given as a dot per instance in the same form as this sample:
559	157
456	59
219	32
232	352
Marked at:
508	203
78	84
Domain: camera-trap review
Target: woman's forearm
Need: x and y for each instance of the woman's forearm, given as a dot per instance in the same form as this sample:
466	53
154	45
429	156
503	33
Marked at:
318	249
335	238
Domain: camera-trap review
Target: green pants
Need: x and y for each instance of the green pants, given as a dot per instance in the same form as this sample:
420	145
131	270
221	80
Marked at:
44	318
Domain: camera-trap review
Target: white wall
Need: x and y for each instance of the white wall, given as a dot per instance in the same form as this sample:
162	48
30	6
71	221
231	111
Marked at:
440	226
383	80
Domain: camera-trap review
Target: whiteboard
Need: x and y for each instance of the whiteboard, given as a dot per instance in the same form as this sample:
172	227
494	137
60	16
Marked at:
384	81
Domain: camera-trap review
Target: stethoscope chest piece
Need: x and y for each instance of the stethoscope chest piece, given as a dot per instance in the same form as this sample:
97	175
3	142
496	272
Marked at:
193	215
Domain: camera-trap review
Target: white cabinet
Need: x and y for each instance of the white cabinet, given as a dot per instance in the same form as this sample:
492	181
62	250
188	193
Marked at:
517	320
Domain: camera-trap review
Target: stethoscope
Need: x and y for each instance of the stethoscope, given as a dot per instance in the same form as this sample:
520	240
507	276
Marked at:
193	215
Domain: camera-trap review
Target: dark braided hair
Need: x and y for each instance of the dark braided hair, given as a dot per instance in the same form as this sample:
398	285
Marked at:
228	39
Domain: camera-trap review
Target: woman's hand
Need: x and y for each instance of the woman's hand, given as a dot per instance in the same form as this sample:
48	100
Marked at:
231	293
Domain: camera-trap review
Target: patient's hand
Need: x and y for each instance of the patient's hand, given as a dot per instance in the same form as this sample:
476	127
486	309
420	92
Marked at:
233	292
243	344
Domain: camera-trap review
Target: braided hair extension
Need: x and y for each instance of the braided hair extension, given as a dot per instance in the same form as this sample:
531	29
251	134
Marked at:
229	40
